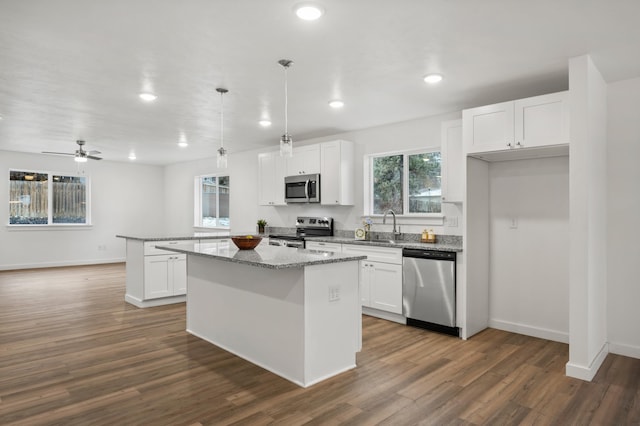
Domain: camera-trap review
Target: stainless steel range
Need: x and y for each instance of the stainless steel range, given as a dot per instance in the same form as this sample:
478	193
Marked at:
305	227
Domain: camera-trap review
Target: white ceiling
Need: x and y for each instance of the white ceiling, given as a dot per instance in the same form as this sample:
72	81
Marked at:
72	69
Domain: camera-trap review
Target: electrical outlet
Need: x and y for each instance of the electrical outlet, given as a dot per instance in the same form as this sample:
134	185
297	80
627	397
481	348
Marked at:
102	247
513	223
334	294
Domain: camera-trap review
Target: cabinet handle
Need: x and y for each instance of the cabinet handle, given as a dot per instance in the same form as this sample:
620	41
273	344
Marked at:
519	144
510	145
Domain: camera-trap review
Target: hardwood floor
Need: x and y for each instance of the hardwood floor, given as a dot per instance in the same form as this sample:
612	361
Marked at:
72	352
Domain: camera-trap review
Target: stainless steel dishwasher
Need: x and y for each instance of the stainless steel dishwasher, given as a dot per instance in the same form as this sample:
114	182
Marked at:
429	289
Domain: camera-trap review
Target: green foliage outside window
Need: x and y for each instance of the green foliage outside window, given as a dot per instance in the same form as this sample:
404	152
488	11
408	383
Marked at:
423	183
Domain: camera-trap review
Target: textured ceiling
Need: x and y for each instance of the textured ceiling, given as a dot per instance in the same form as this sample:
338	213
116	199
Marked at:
72	69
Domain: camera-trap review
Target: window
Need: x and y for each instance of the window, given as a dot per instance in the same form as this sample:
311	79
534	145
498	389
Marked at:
212	201
41	198
407	183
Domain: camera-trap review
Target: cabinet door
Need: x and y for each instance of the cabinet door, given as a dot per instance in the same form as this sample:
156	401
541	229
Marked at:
386	287
156	277
488	128
178	270
452	162
305	160
271	171
336	173
365	285
542	120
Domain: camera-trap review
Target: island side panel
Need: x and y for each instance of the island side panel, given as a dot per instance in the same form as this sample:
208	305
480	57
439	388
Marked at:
135	272
252	312
333	319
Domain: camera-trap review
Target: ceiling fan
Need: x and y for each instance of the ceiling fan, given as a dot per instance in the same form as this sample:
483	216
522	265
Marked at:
80	156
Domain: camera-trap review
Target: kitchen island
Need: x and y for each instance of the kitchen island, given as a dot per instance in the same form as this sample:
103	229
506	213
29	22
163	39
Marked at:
159	277
294	312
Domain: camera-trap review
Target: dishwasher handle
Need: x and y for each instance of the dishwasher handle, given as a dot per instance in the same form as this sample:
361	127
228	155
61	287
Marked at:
429	254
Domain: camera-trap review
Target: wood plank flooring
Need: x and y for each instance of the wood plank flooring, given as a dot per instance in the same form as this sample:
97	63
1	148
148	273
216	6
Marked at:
72	352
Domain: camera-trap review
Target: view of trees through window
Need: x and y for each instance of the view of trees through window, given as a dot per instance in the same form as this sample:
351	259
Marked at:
387	184
417	174
37	198
424	183
215	201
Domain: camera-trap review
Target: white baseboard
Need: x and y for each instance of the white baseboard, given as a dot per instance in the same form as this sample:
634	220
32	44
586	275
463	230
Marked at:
384	315
584	372
528	330
624	350
154	302
59	264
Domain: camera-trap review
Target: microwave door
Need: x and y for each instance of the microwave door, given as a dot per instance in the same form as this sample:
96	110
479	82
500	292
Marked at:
296	192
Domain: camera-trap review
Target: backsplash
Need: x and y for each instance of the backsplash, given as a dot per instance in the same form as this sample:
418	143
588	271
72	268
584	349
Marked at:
345	233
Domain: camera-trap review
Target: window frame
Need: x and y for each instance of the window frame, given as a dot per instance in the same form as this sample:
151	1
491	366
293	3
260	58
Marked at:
197	197
368	183
50	224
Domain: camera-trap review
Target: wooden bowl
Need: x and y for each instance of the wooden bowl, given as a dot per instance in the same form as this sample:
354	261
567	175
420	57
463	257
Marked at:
247	242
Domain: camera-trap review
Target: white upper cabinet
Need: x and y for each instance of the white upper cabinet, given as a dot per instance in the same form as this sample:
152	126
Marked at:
452	162
336	173
271	172
542	120
526	123
488	128
305	160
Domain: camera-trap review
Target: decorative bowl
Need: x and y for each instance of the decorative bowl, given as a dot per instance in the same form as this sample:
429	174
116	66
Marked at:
246	242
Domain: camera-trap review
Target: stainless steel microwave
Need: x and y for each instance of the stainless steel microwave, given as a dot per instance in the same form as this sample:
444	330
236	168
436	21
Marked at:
302	188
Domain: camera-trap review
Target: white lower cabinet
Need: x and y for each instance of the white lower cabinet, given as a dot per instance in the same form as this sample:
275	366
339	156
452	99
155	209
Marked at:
165	275
155	276
380	277
381	285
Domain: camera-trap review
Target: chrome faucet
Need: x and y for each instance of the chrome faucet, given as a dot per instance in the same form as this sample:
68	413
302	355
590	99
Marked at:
384	220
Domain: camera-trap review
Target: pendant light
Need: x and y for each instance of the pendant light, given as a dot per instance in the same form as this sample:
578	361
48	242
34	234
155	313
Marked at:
222	153
286	143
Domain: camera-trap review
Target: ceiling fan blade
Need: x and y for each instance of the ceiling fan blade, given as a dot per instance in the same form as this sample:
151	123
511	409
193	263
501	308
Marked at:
93	152
93	158
57	153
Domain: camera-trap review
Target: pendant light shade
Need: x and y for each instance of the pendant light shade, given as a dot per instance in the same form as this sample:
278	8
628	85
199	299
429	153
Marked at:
286	142
222	153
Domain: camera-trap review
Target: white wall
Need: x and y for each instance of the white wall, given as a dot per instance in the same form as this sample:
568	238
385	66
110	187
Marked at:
408	135
179	192
529	247
125	199
623	199
243	173
588	218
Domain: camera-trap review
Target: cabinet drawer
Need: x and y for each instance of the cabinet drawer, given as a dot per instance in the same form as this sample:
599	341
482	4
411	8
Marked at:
324	246
150	247
375	253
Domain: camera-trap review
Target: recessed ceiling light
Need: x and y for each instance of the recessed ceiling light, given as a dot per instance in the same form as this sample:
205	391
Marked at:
433	78
308	11
148	97
264	123
183	144
336	103
132	156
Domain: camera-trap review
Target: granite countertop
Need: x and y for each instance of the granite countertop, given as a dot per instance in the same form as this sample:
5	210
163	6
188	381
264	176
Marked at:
445	246
264	256
196	236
